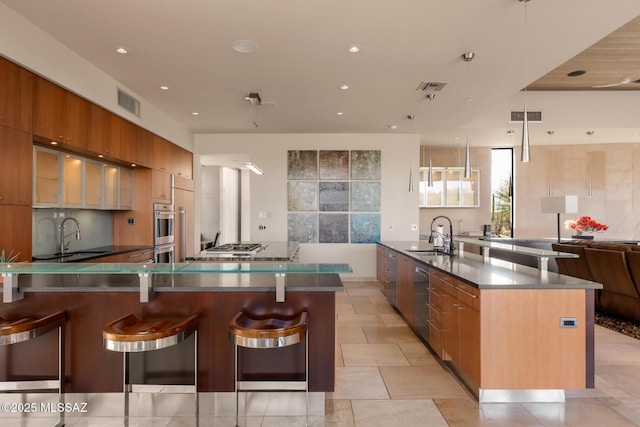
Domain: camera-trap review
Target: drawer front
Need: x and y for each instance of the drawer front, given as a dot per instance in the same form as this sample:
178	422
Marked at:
469	295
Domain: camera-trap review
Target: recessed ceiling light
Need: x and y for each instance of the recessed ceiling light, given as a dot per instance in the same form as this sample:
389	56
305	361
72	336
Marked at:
163	87
577	73
340	113
244	46
195	113
122	50
353	49
344	87
393	126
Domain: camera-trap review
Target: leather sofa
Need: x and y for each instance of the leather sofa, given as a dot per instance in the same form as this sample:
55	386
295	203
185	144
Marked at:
616	266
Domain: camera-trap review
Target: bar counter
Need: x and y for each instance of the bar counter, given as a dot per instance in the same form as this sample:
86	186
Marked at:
93	294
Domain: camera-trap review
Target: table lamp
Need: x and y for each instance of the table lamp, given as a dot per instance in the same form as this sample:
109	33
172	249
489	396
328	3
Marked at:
560	205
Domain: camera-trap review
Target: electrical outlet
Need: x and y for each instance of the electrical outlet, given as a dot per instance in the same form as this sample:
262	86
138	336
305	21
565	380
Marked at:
262	227
568	322
131	221
414	227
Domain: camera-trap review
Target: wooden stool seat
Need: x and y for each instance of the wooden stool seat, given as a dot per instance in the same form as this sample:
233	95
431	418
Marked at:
129	334
26	328
267	332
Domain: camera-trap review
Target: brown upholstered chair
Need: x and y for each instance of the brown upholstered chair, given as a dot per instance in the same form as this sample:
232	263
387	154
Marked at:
576	267
619	295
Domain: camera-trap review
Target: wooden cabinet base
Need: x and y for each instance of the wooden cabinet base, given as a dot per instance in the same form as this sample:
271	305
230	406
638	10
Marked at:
91	368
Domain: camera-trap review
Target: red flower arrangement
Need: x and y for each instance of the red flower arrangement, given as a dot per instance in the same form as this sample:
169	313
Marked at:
584	223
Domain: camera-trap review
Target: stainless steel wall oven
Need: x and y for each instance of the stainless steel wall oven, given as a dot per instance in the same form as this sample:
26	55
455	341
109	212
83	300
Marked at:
164	219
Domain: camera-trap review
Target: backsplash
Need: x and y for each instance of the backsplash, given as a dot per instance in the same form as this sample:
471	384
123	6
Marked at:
95	229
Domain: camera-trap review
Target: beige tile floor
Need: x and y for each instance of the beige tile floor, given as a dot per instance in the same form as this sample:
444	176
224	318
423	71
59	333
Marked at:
386	377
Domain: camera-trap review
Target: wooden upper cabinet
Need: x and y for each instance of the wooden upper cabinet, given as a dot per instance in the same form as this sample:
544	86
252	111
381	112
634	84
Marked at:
136	144
184	162
161	154
59	115
16	95
105	133
15	167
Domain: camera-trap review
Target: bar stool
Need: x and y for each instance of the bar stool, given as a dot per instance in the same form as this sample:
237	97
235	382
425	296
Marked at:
23	329
128	334
265	333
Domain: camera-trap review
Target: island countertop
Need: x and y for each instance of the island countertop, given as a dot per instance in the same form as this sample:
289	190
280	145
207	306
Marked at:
490	273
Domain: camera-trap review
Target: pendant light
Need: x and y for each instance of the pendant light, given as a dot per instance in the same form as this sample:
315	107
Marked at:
525	150
467	57
430	177
589	179
550	179
411	117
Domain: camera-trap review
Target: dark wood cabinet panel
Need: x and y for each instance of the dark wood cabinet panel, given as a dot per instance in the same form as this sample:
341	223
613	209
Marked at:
15	230
15	167
136	144
16	94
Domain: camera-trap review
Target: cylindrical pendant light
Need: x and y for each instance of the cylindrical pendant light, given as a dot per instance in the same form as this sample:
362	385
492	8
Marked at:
589	178
525	150
430	177
467	161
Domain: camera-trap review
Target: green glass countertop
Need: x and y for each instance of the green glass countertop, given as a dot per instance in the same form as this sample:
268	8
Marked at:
175	268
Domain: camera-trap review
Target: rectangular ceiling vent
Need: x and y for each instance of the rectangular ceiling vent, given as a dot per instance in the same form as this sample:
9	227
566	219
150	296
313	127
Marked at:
430	86
128	102
533	116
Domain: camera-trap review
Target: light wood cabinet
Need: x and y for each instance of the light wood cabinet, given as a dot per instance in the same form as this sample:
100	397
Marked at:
161	154
182	162
16	96
106	129
15	167
161	186
436	314
111	192
450	188
137	144
59	115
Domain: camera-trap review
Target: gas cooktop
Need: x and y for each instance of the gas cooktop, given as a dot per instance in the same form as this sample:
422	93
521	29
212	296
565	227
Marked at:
237	248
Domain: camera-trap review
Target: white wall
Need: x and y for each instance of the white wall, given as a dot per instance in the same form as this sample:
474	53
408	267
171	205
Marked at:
28	46
399	207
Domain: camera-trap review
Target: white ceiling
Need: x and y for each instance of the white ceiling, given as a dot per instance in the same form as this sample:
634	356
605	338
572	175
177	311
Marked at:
302	61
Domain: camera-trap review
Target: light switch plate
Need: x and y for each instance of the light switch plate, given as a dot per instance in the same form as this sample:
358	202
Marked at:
568	322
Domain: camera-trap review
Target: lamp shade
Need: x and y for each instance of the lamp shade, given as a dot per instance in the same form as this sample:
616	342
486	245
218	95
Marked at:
560	204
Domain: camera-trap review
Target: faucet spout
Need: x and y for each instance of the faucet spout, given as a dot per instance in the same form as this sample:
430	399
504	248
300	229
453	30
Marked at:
450	248
62	228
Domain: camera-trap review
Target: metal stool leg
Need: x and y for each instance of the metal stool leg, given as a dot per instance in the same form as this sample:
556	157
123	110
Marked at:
126	388
61	377
306	372
195	377
235	351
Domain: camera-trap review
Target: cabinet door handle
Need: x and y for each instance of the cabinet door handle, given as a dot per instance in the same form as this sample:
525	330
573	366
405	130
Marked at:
468	293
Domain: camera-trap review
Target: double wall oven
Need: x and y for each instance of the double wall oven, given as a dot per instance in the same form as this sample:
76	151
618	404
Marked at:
164	221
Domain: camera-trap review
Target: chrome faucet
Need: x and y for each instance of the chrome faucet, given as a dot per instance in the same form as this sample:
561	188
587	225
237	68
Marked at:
62	228
448	248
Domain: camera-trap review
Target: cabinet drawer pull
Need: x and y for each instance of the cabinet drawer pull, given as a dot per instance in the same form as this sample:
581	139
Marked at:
474	296
435	293
435	326
434	309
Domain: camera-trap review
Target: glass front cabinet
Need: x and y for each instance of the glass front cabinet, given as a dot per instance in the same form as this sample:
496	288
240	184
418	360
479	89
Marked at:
450	188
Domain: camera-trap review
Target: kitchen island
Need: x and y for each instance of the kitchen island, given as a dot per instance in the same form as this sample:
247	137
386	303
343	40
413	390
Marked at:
509	332
93	294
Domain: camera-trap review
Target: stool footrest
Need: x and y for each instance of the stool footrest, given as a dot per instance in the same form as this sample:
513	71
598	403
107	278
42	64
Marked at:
272	385
30	385
162	388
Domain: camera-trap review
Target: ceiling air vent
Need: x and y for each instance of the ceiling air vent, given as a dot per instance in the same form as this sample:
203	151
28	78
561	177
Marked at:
533	116
128	102
430	86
